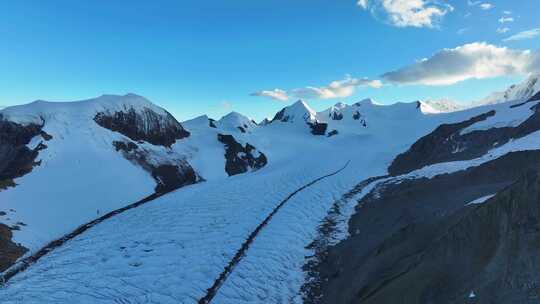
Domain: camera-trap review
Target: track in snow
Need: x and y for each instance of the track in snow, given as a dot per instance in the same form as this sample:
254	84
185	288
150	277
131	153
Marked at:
28	261
212	291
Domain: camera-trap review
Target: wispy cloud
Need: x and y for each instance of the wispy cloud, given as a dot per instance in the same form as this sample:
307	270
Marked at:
486	6
482	5
503	30
336	89
276	94
529	34
462	31
408	13
476	60
506	19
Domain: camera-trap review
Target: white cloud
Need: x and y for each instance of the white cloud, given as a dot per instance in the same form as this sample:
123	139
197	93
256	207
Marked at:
276	94
529	34
362	3
503	30
506	19
507	12
408	13
336	89
473	3
475	60
462	31
486	6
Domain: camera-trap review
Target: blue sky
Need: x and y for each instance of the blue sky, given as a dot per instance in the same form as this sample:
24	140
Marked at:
195	57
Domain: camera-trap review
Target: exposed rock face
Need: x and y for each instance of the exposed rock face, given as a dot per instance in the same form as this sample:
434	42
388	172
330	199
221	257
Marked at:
168	176
336	116
144	125
172	177
318	128
332	133
418	241
446	143
239	158
280	116
9	251
16	159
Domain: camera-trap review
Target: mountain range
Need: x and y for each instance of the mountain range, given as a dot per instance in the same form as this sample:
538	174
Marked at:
112	200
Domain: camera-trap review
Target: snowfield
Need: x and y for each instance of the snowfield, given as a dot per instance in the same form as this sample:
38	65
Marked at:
171	250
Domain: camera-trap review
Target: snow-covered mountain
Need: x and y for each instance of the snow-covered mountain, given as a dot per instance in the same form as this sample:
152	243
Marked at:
64	163
363	202
440	106
297	113
237	122
522	91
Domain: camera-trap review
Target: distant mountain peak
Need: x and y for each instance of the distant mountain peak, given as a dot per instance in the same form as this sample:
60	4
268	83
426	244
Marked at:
299	111
519	92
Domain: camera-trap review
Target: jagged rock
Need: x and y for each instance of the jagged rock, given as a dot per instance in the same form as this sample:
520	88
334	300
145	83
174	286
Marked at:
332	133
9	251
172	177
168	176
446	143
318	128
337	116
239	158
144	125
16	159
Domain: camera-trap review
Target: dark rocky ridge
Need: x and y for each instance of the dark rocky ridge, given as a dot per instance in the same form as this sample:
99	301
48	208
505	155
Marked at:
239	158
144	125
280	116
417	242
168	176
318	128
446	143
16	159
9	251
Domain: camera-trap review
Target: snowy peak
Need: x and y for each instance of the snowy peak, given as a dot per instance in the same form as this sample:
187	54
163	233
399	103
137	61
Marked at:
299	112
45	110
518	92
236	121
439	106
131	115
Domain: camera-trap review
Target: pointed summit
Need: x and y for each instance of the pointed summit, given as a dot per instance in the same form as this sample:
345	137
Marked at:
236	121
295	113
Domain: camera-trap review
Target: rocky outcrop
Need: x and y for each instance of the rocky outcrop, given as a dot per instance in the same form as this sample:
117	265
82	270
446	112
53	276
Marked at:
318	128
447	143
9	251
146	125
333	133
239	158
16	159
169	176
419	241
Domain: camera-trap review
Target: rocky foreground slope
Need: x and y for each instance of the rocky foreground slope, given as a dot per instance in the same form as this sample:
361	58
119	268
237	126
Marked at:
455	222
